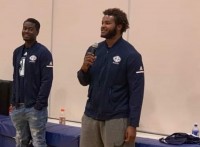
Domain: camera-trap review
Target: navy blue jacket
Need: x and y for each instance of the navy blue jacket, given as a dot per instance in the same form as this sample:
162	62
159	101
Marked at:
116	83
38	76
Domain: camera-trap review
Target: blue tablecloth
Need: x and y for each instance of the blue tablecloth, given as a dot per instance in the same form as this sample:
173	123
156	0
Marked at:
62	135
66	136
146	142
56	135
7	132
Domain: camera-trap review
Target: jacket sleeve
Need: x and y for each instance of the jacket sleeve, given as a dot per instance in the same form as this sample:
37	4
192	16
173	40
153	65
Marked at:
84	78
135	74
12	98
46	71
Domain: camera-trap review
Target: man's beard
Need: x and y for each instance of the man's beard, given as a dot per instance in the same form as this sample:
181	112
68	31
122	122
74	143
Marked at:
110	34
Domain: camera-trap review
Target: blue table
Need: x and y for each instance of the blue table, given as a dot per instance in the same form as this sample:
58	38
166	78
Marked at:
62	135
65	136
56	135
7	132
147	142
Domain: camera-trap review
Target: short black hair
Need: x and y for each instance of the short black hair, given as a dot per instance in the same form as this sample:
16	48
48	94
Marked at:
120	17
36	22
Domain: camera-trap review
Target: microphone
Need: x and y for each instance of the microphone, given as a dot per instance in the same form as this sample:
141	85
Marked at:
93	48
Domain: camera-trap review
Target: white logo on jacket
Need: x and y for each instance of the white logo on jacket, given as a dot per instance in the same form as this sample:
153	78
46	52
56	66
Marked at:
50	64
116	59
141	70
32	58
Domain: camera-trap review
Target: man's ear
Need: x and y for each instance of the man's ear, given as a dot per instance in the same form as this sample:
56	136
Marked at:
119	27
37	33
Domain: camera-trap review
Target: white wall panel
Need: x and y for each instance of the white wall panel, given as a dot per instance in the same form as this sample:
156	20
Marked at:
76	26
167	33
12	16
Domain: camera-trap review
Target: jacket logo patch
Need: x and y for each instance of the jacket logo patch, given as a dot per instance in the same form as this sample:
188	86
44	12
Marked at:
116	60
141	70
32	58
50	64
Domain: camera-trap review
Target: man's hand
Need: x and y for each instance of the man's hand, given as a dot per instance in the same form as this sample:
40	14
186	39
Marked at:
88	61
130	134
10	108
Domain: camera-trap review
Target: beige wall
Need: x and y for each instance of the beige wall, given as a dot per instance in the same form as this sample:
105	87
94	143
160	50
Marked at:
12	16
76	26
165	32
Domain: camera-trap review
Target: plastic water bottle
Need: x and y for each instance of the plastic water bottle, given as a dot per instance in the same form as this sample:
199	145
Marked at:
62	117
195	130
